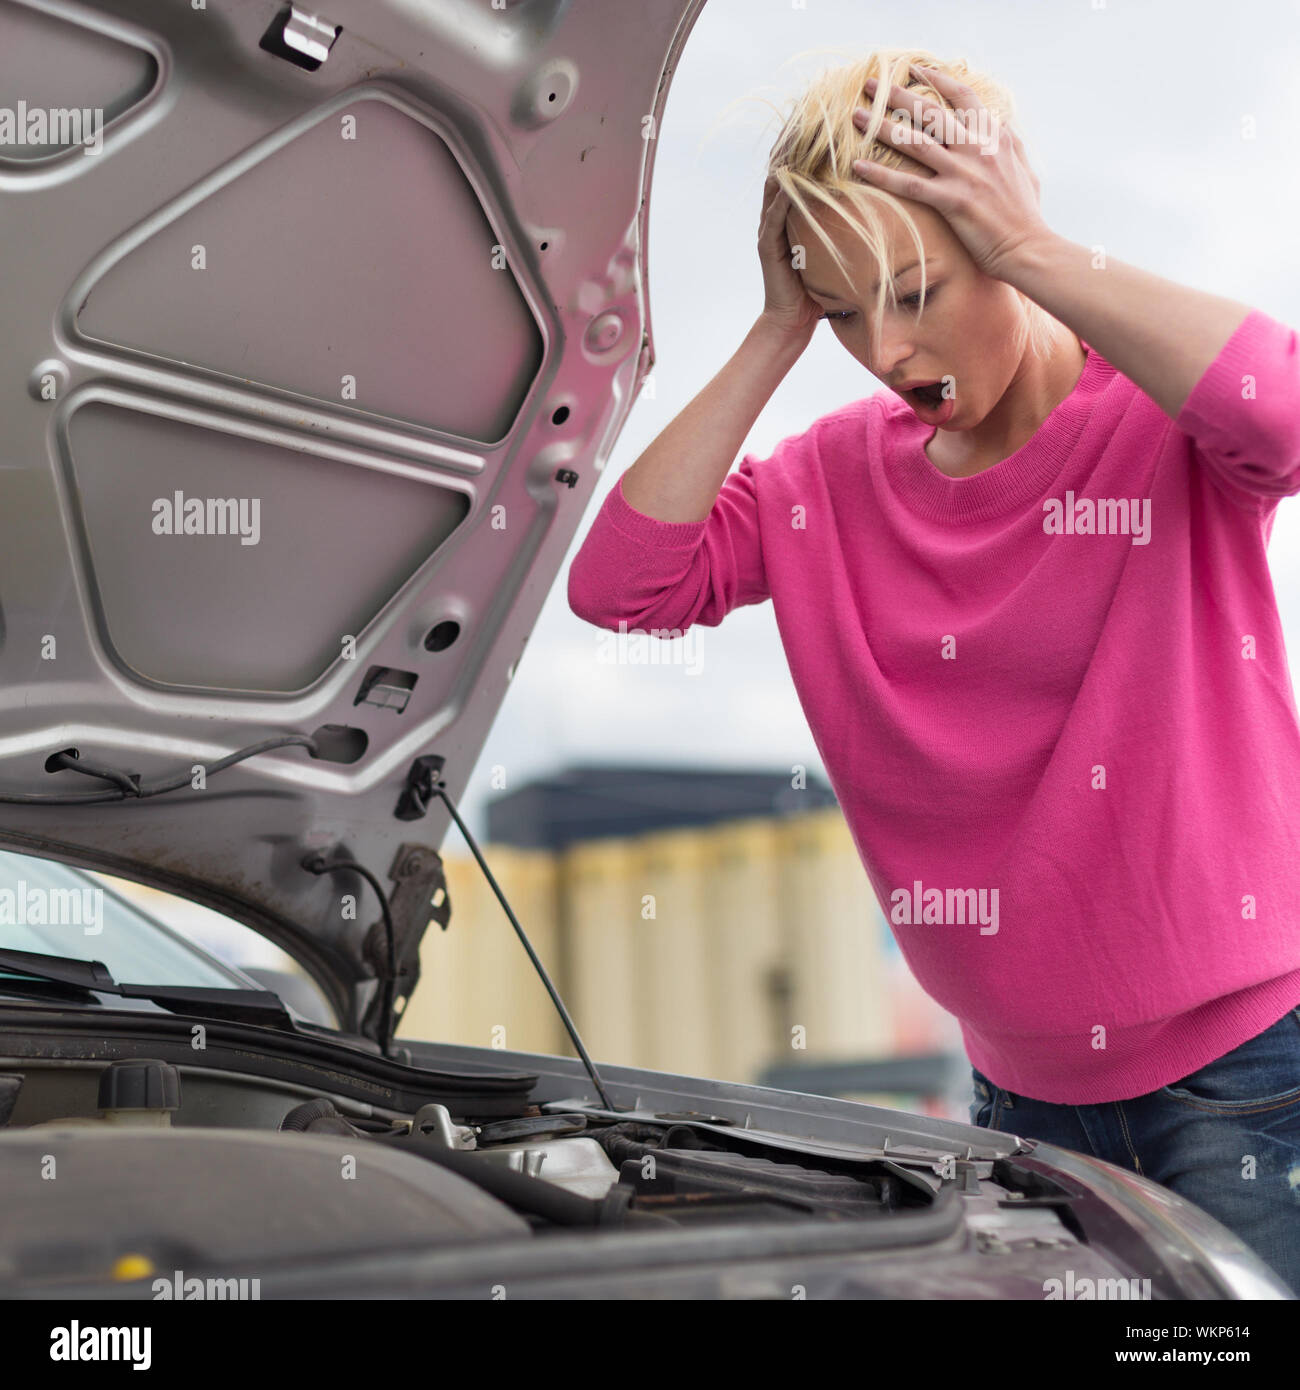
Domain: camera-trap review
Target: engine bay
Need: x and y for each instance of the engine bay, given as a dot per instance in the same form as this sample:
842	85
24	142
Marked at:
558	1170
119	1164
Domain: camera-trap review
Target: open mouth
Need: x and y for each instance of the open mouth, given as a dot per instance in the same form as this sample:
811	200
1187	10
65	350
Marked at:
930	396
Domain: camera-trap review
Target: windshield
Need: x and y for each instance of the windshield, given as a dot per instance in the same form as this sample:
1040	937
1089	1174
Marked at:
59	911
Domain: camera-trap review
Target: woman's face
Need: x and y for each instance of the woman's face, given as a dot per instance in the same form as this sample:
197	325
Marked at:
968	328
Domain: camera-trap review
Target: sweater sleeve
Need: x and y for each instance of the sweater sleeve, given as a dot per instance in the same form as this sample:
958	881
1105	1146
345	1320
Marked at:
656	574
1243	416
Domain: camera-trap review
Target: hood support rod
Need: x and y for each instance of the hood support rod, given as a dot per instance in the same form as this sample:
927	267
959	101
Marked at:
425	781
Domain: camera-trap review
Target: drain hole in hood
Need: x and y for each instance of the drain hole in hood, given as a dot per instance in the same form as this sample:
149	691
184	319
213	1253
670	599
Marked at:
340	743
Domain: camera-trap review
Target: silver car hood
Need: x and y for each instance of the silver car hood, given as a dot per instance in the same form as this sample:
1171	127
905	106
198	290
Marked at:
318	329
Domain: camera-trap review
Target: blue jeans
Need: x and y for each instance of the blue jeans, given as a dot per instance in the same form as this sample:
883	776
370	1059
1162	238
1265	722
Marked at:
1195	1137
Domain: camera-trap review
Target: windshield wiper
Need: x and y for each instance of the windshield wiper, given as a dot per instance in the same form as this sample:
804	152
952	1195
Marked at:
195	1001
24	986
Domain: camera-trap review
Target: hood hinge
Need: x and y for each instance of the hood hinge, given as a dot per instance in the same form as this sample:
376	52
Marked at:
419	897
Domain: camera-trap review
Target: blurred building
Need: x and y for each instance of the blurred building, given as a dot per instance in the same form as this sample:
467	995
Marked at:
706	922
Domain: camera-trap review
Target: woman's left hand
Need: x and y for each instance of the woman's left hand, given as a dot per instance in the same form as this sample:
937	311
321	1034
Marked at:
982	184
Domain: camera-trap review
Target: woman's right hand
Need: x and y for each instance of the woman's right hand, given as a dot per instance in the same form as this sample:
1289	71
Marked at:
787	304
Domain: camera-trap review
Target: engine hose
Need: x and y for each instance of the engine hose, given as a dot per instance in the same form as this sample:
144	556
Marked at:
521	1190
518	1190
299	1119
318	1117
529	1127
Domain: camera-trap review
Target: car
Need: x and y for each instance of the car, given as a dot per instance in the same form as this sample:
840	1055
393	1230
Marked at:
328	323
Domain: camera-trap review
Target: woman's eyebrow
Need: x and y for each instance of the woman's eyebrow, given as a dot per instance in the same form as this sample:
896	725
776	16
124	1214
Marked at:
828	294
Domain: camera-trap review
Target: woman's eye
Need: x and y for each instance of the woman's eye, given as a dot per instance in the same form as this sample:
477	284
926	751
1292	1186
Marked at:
912	301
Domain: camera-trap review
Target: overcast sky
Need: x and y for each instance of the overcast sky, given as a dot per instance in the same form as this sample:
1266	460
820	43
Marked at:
1133	117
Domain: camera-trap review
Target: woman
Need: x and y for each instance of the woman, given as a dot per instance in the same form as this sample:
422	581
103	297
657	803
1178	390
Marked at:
1029	616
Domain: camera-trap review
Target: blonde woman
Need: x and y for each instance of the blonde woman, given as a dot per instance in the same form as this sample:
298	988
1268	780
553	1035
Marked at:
1027	609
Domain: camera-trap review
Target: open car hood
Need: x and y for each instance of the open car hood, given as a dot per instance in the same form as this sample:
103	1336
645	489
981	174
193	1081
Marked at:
325	333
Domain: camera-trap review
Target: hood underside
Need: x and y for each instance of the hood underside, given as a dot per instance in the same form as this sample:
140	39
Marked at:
327	323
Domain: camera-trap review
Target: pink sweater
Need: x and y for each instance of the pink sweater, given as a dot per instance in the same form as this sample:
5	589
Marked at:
1052	700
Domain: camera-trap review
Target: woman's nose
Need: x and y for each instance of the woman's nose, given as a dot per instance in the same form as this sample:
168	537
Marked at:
892	352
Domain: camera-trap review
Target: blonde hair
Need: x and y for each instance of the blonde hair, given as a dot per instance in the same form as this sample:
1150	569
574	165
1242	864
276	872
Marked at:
812	162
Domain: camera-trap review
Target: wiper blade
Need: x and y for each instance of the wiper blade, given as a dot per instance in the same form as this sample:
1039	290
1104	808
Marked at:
194	1001
63	970
236	1005
25	987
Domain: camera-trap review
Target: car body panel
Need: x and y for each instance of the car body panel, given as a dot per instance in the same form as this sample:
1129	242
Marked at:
394	309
